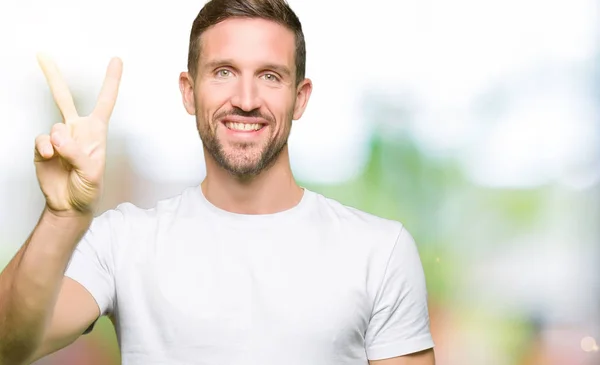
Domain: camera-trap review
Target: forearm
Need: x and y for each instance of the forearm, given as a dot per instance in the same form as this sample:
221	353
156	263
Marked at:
30	283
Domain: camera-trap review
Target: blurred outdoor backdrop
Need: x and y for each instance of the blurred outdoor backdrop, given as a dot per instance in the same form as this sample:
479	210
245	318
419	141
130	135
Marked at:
475	123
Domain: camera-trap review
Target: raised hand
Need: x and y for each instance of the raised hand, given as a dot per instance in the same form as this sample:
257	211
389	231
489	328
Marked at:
70	160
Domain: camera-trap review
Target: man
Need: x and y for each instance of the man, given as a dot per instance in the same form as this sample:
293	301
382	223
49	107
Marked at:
248	267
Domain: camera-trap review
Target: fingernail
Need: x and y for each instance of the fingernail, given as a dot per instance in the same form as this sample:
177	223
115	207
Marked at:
56	140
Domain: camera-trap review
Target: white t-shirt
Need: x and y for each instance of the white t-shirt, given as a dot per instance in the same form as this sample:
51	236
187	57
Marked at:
318	284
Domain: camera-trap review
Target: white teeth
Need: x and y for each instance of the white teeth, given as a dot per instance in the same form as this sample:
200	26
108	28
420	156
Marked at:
243	126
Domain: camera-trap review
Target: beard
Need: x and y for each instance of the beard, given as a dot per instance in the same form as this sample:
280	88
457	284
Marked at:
243	160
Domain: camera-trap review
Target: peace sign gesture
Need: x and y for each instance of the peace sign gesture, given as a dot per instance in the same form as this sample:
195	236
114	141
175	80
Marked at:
70	160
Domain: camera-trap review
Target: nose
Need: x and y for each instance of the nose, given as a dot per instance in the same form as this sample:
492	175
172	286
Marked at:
247	95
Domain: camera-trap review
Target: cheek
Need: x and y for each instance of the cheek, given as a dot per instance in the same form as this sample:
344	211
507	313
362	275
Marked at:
209	100
281	105
210	97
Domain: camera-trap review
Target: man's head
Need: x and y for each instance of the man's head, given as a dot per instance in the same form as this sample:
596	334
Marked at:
245	81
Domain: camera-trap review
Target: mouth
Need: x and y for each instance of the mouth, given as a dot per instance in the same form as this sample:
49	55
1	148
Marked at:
244	127
241	124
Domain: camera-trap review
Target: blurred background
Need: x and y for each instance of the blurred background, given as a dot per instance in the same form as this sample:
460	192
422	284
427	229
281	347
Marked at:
475	123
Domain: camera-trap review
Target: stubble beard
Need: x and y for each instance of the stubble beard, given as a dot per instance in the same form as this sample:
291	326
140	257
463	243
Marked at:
245	161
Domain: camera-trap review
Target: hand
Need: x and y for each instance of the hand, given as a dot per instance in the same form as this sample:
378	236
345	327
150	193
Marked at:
70	160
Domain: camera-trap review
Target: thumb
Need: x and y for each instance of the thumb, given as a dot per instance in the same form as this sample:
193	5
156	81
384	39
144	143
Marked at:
65	145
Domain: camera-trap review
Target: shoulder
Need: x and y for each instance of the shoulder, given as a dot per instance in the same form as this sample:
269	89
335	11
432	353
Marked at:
130	213
355	221
331	209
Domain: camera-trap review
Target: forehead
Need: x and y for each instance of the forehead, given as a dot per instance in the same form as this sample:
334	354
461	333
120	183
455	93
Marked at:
249	40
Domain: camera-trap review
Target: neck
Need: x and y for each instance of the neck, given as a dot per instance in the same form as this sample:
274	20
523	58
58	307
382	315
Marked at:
273	190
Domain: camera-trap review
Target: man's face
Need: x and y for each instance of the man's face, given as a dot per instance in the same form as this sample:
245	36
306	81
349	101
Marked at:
244	95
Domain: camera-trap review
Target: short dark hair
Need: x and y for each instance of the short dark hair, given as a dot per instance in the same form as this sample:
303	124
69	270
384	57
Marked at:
216	11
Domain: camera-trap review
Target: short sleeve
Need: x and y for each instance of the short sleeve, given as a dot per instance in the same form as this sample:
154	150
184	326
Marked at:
92	262
399	323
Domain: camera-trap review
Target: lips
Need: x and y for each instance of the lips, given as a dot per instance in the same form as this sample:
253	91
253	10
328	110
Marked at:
244	127
244	124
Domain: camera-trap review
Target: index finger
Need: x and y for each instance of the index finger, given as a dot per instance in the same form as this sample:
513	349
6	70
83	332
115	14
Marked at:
58	87
110	90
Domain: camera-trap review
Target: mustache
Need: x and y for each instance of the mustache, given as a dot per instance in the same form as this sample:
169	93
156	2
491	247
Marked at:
235	111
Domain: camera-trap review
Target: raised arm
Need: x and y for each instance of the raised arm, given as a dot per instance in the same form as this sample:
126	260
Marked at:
42	311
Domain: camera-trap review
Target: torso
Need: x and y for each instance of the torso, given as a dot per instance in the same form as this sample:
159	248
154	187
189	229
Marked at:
195	287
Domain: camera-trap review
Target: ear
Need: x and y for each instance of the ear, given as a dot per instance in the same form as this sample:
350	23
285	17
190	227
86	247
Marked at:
303	92
186	85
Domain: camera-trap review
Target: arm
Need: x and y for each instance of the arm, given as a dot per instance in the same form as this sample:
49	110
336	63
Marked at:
426	357
40	311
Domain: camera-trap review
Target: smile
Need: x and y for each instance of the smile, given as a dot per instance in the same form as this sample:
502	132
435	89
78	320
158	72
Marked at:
244	127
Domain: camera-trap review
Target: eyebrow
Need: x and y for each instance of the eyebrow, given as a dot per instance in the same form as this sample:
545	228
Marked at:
217	63
281	69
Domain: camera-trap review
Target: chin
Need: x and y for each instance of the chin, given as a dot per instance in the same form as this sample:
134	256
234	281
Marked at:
245	161
241	165
244	172
243	156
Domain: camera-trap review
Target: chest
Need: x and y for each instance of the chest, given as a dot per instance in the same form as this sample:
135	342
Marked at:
238	293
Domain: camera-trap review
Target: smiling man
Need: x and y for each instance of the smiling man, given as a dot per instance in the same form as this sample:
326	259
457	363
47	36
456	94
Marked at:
246	268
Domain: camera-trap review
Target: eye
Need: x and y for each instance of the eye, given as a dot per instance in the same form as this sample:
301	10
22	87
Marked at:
270	77
223	73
